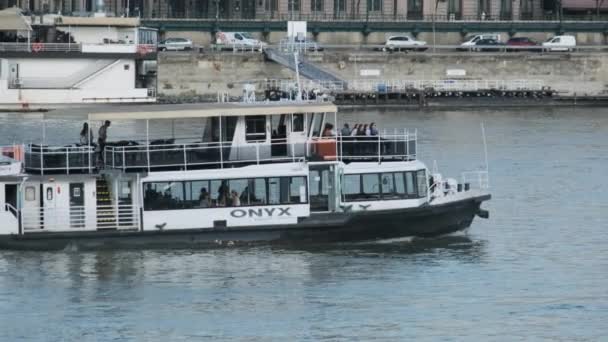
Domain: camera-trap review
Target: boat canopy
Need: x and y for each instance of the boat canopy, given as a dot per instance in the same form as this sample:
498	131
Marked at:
155	112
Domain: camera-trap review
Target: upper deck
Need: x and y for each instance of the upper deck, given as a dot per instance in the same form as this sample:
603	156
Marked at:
234	134
74	37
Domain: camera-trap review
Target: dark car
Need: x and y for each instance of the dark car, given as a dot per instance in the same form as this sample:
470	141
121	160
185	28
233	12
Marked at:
488	45
523	42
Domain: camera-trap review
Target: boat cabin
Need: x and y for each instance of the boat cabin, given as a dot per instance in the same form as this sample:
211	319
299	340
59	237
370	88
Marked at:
231	134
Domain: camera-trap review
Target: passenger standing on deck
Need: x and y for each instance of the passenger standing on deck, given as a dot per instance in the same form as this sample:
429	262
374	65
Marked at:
355	130
86	135
345	130
102	137
373	131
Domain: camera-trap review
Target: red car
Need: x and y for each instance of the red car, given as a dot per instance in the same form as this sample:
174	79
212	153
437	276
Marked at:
522	42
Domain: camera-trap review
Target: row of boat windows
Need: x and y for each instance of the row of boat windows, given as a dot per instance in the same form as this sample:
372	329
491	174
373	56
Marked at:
225	193
384	186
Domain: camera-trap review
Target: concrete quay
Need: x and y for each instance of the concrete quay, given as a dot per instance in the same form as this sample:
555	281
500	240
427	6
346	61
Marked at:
204	75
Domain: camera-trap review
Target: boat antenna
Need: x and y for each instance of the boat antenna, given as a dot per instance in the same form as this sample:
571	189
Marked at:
485	145
485	152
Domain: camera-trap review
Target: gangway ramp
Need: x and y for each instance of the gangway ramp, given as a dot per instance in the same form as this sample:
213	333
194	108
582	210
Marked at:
305	67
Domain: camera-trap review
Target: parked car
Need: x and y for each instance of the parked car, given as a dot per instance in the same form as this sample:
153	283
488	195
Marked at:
239	40
470	41
488	45
560	43
523	42
397	43
175	44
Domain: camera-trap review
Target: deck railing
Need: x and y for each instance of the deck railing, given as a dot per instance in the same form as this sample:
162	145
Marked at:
168	155
78	218
141	49
476	179
67	159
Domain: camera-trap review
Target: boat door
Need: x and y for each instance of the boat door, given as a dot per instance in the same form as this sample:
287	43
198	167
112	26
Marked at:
296	139
77	213
50	206
322	184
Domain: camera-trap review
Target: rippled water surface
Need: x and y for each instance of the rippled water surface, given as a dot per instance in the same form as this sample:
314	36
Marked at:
536	270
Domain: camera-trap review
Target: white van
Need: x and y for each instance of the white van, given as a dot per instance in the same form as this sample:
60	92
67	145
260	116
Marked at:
470	40
238	40
560	43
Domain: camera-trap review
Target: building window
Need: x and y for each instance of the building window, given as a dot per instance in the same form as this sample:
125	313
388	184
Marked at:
526	9
316	5
339	6
374	5
455	9
293	5
484	9
506	10
415	9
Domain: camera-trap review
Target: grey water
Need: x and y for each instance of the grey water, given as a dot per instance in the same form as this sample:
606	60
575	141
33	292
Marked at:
536	270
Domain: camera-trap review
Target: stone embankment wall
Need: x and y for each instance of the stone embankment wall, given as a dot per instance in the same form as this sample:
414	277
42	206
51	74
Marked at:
207	74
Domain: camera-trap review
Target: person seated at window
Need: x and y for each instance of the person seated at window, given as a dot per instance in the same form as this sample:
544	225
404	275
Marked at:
235	201
203	198
223	194
328	130
345	132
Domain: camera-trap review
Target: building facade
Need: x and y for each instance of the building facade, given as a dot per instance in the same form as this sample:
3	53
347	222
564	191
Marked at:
440	10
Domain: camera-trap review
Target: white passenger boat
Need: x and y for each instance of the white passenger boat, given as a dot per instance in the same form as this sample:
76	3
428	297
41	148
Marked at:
257	173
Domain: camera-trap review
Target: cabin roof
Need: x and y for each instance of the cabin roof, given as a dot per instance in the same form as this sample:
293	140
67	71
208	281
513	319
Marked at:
97	21
250	171
12	20
199	110
374	167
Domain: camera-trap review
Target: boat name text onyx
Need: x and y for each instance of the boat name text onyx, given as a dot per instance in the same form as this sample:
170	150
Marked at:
260	212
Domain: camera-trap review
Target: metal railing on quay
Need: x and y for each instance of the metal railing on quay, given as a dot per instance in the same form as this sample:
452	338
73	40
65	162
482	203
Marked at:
379	17
388	86
234	48
80	218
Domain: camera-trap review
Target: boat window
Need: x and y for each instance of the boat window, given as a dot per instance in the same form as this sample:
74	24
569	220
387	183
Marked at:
297	190
255	128
399	185
388	186
371	185
315	180
259	192
223	193
273	191
422	183
297	123
351	188
409	184
384	186
30	193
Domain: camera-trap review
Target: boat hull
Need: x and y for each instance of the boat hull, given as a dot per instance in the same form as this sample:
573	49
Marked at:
425	221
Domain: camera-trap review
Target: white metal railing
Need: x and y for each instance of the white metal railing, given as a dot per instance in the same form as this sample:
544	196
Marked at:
11	209
69	159
387	86
236	47
40	47
399	145
80	218
476	179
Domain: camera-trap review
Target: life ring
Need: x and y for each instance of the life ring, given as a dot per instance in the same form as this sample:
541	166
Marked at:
142	50
37	47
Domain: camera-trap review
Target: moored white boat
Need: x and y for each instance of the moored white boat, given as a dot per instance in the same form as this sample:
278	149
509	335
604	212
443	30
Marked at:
261	172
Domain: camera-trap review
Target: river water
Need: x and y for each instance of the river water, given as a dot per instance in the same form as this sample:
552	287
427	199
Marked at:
536	270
